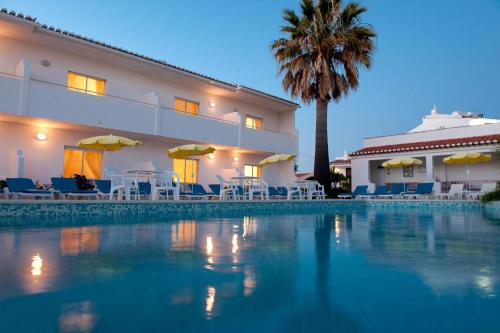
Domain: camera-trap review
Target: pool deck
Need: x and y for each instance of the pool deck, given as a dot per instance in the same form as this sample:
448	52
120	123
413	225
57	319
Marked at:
212	208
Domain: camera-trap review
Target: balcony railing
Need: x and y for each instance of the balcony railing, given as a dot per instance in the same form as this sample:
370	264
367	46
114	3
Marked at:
60	102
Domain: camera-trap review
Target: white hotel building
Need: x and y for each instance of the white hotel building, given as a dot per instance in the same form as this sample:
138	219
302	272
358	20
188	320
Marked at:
438	136
68	87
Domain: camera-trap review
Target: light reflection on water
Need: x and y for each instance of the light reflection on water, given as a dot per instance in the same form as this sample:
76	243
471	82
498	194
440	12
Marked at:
349	272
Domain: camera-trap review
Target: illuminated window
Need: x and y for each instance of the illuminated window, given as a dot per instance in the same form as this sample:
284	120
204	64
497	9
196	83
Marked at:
187	170
183	105
408	171
253	170
253	122
82	162
86	84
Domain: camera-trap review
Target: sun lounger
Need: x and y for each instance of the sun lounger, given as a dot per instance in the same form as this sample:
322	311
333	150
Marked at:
277	192
395	191
423	190
104	187
359	190
24	187
485	188
379	190
197	191
68	188
456	191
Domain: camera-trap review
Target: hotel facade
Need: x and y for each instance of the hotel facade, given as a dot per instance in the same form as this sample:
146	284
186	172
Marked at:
438	136
57	87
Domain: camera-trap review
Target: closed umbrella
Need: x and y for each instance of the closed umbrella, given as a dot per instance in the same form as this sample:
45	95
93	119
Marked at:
467	158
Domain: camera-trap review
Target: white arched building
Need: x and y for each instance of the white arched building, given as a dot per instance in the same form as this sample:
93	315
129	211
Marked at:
438	136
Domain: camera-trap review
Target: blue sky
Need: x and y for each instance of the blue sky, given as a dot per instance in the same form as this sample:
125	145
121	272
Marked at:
444	52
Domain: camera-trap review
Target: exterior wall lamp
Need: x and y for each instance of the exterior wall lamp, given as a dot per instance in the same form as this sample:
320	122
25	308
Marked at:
236	158
41	136
211	156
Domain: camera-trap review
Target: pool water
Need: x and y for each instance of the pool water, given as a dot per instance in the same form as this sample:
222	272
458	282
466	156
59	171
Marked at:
361	270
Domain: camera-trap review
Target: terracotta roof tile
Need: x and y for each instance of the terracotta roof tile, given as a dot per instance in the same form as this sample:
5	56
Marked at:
426	145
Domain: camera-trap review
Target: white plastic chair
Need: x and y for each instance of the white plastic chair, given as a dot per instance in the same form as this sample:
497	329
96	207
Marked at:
258	188
117	184
456	191
294	191
227	189
167	182
315	190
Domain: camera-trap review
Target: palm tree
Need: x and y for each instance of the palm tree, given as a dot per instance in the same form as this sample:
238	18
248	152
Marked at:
320	58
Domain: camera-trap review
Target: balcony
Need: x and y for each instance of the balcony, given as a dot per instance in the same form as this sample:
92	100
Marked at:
46	100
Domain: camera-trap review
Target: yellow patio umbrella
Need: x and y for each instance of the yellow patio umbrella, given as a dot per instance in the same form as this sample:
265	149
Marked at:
277	158
467	158
402	162
185	151
107	142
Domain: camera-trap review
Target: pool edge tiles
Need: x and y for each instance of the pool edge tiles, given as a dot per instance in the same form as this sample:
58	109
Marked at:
34	208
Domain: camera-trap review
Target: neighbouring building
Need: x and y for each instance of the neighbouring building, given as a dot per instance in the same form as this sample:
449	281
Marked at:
439	136
58	87
342	164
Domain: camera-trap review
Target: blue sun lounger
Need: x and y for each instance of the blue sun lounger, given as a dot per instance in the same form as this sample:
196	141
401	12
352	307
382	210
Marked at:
68	188
359	190
379	190
396	190
24	187
197	191
422	190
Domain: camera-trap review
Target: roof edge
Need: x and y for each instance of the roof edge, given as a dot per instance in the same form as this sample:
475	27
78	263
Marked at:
108	47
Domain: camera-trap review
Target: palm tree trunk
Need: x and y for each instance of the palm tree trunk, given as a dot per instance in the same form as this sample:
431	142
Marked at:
321	160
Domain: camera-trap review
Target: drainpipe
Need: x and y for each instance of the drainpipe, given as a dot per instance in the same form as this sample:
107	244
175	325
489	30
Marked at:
23	69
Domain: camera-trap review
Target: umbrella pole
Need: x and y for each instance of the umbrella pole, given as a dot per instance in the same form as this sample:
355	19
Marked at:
468	176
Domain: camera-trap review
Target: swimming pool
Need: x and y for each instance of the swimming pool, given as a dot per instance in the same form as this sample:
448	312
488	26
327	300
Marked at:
351	269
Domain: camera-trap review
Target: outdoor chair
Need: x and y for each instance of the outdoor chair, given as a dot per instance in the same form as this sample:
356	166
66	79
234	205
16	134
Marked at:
167	184
228	189
396	190
456	191
258	188
379	190
24	187
422	190
110	188
197	191
485	188
69	188
359	190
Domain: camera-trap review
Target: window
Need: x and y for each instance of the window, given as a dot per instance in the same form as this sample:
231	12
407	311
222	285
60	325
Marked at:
253	122
253	170
183	105
408	171
82	162
86	84
187	170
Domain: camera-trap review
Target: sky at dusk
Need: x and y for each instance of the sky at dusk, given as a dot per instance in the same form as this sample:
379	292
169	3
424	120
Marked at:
444	52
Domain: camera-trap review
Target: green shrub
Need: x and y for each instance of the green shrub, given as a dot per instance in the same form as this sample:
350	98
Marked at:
492	196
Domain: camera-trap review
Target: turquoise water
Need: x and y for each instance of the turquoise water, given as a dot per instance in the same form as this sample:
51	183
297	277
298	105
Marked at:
362	270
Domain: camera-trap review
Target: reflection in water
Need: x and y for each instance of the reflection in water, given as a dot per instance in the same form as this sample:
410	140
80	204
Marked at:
77	317
209	301
234	243
183	235
36	265
74	241
249	281
349	271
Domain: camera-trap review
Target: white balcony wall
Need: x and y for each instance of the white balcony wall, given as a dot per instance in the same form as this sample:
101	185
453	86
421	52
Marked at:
278	143
56	102
9	94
